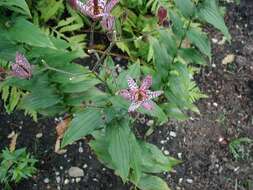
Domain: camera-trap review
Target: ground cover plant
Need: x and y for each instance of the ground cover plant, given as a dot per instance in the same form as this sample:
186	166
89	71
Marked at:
163	44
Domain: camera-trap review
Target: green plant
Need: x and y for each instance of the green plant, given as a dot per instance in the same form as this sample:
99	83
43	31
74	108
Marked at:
15	166
164	56
240	148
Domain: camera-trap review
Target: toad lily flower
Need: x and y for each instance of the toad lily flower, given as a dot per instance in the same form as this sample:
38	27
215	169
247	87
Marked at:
97	9
21	68
140	96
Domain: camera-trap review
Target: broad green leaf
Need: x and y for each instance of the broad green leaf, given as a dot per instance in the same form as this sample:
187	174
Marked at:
161	58
25	32
17	5
191	55
154	161
83	124
151	182
42	96
178	24
200	40
119	147
100	146
79	86
156	112
169	40
135	158
186	7
174	112
209	11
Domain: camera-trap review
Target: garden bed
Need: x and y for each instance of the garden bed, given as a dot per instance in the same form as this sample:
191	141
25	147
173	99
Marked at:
207	163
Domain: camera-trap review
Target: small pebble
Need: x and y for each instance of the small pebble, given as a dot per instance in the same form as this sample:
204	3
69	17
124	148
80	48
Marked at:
66	181
39	135
173	134
180	180
214	40
213	65
162	141
150	123
57	173
80	149
75	172
58	179
189	180
179	155
85	166
215	104
78	179
46	180
61	168
166	152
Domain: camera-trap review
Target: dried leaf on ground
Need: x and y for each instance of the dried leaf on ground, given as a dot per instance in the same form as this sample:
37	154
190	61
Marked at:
13	136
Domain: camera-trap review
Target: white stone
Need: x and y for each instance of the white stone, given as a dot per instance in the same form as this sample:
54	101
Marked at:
173	134
39	135
214	40
80	149
85	166
215	104
66	181
189	180
166	152
150	123
78	179
75	172
58	179
46	180
162	141
179	155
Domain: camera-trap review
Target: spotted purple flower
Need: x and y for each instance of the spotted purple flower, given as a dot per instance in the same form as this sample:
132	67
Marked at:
97	9
21	68
140	96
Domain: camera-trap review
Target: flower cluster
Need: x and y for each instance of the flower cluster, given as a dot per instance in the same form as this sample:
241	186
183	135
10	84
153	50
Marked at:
97	10
140	96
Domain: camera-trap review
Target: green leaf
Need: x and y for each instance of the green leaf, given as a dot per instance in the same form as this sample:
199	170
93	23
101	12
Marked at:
119	147
174	112
17	6
200	40
161	57
209	11
156	112
80	86
154	161
177	24
135	158
83	124
25	32
186	7
191	55
39	100
150	182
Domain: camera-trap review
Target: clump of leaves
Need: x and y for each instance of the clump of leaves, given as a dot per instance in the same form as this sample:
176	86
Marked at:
241	148
15	166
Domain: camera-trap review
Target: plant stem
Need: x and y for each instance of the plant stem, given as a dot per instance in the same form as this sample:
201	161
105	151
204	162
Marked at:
92	33
182	40
99	61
